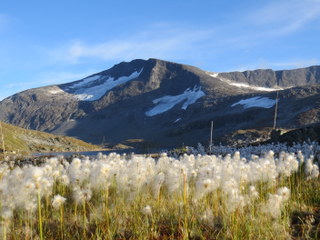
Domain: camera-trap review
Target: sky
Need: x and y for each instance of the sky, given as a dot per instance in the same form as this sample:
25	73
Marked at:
52	42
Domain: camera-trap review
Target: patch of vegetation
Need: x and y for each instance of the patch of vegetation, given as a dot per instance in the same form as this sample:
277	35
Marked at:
18	140
275	195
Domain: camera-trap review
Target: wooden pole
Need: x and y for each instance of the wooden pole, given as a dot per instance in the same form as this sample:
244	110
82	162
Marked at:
2	140
211	136
275	112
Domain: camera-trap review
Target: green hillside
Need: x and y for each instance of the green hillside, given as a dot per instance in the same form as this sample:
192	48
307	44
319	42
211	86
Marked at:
19	140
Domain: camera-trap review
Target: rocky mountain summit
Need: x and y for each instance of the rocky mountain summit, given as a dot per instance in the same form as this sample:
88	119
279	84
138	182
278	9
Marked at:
155	103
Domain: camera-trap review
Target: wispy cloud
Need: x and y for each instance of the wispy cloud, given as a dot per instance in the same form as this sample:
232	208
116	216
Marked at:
248	32
286	16
155	42
271	20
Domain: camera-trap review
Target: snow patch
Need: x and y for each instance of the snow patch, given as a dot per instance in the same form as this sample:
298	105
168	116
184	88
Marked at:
55	91
85	81
215	75
243	85
167	102
87	93
177	120
262	102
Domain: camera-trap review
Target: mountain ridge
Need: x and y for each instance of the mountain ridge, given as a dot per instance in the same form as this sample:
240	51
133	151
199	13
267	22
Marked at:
281	78
166	104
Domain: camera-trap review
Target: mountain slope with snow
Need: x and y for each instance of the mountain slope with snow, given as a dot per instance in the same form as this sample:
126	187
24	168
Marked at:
168	102
93	88
155	103
271	79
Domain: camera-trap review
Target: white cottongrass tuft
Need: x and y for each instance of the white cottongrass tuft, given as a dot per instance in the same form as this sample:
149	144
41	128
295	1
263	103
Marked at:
157	183
146	211
6	214
58	201
208	218
276	202
284	192
82	195
311	169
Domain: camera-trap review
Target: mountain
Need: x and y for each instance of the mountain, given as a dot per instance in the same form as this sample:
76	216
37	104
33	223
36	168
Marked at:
19	140
156	103
270	78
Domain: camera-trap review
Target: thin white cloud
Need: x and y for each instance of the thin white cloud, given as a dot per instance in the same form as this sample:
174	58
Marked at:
286	16
157	42
272	20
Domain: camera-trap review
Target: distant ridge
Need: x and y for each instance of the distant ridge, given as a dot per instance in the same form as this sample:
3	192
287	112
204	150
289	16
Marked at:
282	78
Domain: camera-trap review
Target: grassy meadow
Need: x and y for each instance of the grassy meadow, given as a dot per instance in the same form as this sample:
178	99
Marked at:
266	192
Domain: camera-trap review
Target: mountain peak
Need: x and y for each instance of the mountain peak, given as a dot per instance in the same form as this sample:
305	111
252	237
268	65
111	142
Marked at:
164	103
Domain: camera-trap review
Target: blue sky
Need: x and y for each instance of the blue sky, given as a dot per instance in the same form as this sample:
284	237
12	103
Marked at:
52	42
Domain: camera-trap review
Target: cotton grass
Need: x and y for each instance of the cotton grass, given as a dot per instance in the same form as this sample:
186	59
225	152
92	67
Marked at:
118	196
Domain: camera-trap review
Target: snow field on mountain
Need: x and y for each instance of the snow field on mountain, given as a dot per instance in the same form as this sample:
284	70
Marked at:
139	197
166	103
262	102
55	90
243	85
88	90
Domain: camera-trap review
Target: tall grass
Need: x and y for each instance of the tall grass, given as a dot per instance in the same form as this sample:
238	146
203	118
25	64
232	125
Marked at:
271	196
